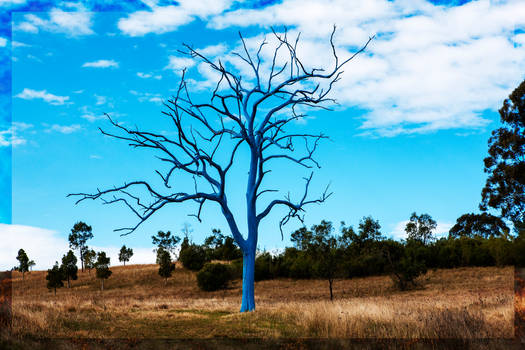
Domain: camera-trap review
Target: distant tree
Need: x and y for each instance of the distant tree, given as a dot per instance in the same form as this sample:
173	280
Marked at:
221	247
102	267
69	267
89	259
23	262
302	238
166	267
125	254
80	234
406	262
55	277
325	253
31	263
420	228
368	231
166	241
505	165
478	225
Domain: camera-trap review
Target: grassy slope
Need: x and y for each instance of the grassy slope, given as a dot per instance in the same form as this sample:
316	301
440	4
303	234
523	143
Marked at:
458	303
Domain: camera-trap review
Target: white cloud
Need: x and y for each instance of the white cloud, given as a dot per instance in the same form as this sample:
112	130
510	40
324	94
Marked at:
441	230
177	64
71	23
41	245
101	64
3	42
11	136
101	100
162	19
30	94
213	50
147	96
9	3
430	67
92	117
148	75
46	246
19	44
95	156
64	129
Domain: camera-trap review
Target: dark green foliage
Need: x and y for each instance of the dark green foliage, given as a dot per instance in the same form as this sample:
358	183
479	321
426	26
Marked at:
89	259
419	228
69	267
54	278
102	267
23	262
166	241
478	225
80	234
302	238
369	231
193	256
214	277
220	247
160	253
166	267
406	262
125	254
505	165
263	267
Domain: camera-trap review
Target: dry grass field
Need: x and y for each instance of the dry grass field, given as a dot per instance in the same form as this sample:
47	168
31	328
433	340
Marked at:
461	303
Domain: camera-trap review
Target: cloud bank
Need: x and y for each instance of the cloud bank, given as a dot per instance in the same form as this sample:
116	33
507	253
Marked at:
47	246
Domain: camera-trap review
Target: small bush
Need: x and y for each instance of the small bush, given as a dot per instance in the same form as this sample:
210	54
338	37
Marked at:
214	277
193	257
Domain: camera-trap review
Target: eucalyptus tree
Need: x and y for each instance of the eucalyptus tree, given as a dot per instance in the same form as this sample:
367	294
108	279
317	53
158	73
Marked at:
505	165
54	278
420	228
249	111
80	234
23	262
69	267
125	254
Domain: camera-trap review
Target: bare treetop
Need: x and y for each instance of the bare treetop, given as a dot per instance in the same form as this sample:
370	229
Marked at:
236	115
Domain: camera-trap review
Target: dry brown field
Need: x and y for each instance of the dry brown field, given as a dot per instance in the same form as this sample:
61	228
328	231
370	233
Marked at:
463	303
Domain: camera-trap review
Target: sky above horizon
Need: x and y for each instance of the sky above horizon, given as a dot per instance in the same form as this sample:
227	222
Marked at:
409	133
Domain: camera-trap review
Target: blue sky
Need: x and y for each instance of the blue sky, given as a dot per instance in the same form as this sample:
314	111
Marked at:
409	134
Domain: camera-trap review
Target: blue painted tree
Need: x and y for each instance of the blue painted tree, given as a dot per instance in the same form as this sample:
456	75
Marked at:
243	111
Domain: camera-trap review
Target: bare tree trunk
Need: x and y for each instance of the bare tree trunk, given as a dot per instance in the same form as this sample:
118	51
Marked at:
81	259
330	282
102	285
68	284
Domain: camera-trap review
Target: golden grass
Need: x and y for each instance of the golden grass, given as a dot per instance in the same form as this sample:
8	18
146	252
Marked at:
462	303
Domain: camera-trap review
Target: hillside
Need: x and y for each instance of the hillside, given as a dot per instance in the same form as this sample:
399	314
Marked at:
456	303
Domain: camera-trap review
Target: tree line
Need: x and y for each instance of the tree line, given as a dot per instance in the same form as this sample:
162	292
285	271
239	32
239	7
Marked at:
316	252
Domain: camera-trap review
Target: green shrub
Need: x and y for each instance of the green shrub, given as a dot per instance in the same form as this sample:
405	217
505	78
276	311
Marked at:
236	268
214	277
193	257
